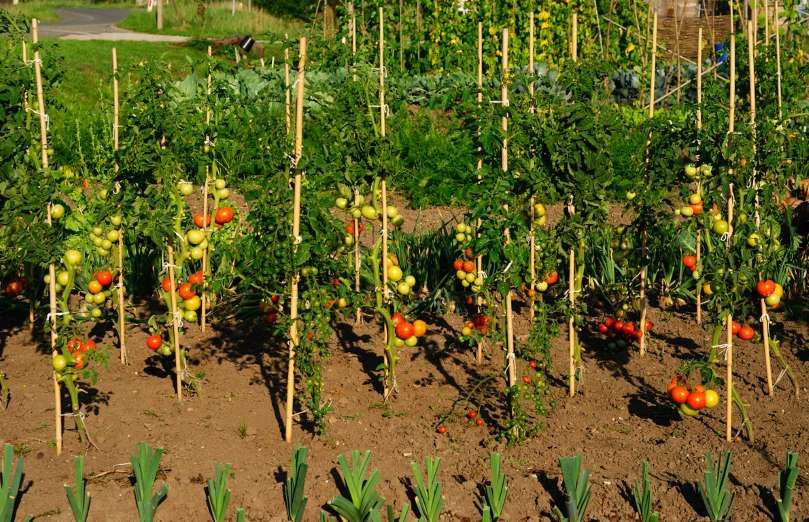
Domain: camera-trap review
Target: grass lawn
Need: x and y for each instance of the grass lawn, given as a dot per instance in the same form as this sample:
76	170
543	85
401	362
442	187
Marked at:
183	18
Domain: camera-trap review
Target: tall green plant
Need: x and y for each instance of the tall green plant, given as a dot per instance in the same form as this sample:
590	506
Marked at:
9	483
428	493
787	479
577	489
77	495
714	491
642	495
494	499
145	465
218	492
364	502
294	497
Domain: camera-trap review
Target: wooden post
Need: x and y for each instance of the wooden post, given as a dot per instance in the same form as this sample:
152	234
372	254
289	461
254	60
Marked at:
699	131
571	324
296	230
384	190
766	23
287	93
115	146
765	320
401	36
160	15
178	359
777	28
204	299
479	259
353	28
531	58
511	361
43	141
357	258
644	308
729	382
531	238
574	38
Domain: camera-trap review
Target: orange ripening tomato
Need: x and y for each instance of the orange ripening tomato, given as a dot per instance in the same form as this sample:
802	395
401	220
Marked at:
223	215
457	265
696	208
202	222
746	332
765	288
679	394
196	278
735	327
469	266
552	278
419	328
166	284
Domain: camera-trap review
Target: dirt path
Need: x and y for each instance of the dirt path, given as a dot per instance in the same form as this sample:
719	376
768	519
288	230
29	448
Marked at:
98	24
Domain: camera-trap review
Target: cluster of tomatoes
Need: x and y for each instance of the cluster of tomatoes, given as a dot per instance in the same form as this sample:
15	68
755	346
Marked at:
463	233
187	292
690	262
703	171
480	323
155	343
691	401
15	287
270	309
97	291
403	283
473	418
222	215
349	237
77	355
770	291
744	332
465	271
360	208
540	215
102	239
407	333
622	330
694	207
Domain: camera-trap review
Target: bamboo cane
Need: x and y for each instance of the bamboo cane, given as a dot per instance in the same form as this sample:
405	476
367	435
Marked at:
571	325
699	129
729	382
175	315
383	183
479	259
296	230
531	237
766	23
644	308
357	259
204	299
115	146
574	38
287	93
43	140
353	22
765	320
777	29
512	367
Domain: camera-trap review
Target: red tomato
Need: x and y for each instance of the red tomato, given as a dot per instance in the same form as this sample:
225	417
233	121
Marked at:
469	266
271	317
310	336
479	422
672	385
274	298
734	328
679	394
202	222
696	400
78	360
602	328
166	284
765	288
649	325
638	335
223	215
91	345
471	414
746	332
618	326
104	277
532	365
628	328
73	344
186	291
609	321
350	229
154	342
690	262
552	278
468	253
196	278
457	264
404	330
396	318
526	379
441	429
470	300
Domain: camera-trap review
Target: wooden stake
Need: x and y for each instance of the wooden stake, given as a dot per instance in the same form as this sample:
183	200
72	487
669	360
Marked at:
115	146
531	58
571	325
357	259
401	36
287	93
178	359
296	231
574	37
204	299
699	129
353	29
532	261
511	360
729	382
160	14
479	260
43	140
383	133
765	320
777	28
766	23
652	70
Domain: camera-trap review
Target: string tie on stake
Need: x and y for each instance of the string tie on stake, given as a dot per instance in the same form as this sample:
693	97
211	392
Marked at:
385	107
50	316
508	266
178	319
722	350
117	187
780	376
510	361
764	317
725	237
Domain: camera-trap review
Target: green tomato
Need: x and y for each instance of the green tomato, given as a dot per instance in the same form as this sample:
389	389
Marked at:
753	239
99	298
395	274
116	220
460	237
95	313
103	252
412	341
192	304
403	288
97	241
398	342
195	237
102	194
341	203
687	211
720	226
691	171
410	280
356	213
392	212
460	274
369	212
98	231
348	240
106	244
219	184
223	193
62	278
164	350
72	258
190	316
470	278
186	188
112	236
687	411
197	253
542	286
57	211
59	363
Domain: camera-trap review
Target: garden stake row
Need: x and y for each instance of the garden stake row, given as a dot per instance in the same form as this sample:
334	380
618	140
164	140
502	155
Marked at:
729	319
765	319
388	387
296	239
644	268
115	146
571	322
43	140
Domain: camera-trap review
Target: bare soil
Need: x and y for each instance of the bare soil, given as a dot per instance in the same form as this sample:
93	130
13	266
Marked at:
621	417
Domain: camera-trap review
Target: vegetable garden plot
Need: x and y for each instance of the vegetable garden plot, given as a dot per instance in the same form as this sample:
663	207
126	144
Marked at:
495	290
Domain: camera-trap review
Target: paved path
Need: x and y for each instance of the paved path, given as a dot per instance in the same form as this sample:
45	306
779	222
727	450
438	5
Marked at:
98	24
